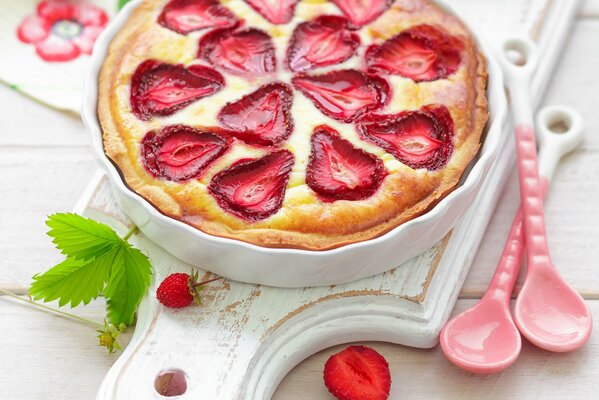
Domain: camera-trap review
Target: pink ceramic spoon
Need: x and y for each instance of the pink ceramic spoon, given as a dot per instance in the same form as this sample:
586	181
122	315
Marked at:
548	312
484	339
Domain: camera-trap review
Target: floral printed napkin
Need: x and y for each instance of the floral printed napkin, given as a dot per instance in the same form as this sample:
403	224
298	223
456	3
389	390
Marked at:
46	46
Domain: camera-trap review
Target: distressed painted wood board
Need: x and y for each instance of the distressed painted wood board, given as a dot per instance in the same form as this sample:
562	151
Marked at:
244	338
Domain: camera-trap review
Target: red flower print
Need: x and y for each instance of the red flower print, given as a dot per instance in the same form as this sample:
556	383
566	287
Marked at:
61	30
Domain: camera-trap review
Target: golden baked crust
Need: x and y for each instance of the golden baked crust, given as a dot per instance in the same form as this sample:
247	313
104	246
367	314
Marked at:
304	221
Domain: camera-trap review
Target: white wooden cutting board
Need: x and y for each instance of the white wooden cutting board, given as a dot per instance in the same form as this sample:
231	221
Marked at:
244	338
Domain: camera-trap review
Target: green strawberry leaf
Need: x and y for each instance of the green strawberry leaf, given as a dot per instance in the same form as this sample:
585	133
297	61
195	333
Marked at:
79	237
98	260
73	281
129	281
121	3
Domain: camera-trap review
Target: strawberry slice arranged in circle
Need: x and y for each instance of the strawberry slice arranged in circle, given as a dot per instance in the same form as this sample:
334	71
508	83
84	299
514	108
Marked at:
344	95
419	139
422	53
253	189
248	51
161	89
339	171
357	373
181	152
184	16
262	117
325	41
362	12
274	11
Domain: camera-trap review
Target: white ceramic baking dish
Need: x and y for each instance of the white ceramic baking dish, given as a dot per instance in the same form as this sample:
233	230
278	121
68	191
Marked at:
242	261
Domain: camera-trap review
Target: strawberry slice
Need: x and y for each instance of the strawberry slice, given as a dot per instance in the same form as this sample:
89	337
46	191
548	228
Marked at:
262	117
344	95
184	16
253	189
357	373
159	88
419	139
325	41
247	51
339	171
275	11
422	53
179	152
362	12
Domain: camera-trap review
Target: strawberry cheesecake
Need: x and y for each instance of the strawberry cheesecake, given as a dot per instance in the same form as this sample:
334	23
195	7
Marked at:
305	124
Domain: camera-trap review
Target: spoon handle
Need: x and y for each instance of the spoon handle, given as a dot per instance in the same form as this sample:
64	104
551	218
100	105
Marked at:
507	270
531	198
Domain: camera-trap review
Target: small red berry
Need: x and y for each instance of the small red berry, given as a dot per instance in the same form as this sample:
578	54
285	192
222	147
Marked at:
357	373
175	291
180	290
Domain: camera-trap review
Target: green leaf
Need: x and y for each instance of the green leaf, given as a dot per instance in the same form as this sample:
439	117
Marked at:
121	3
129	281
79	237
74	280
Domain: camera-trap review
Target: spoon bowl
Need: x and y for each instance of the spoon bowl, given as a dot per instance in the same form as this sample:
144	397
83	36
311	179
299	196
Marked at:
550	314
482	340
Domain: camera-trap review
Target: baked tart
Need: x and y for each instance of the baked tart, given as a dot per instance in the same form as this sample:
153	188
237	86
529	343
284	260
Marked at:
300	124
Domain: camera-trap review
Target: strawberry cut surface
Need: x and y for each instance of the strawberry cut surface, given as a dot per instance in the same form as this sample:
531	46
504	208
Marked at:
181	152
339	171
325	41
184	16
419	139
161	89
344	95
274	11
362	12
248	51
253	189
358	373
421	53
262	117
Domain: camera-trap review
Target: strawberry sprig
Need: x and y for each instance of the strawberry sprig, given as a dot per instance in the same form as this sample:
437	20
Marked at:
97	261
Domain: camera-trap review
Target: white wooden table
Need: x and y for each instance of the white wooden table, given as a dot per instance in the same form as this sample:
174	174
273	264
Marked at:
45	163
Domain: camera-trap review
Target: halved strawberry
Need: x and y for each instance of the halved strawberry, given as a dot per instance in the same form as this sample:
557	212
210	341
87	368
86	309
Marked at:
181	152
419	139
325	41
422	53
345	95
362	12
262	117
253	189
357	373
184	16
339	171
159	88
247	51
275	11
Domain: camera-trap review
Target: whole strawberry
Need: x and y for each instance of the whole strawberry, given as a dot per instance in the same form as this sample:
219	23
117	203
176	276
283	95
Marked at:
180	290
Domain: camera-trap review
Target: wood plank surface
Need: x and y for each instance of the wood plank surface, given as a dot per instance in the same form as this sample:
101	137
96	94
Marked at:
45	168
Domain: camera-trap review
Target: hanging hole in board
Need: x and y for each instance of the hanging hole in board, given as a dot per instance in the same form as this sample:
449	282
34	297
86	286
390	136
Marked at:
170	383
